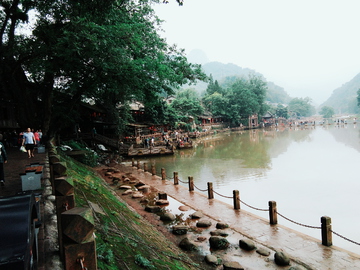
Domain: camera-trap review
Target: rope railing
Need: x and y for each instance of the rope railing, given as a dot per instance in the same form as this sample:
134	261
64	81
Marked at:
202	190
227	197
325	227
252	207
184	182
297	223
345	238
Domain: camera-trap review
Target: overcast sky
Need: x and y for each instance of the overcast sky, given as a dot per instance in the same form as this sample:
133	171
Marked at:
308	47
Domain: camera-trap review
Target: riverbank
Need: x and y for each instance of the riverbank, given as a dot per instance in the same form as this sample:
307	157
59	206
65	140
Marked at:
126	239
303	250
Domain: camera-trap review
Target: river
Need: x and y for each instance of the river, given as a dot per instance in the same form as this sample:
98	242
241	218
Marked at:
310	172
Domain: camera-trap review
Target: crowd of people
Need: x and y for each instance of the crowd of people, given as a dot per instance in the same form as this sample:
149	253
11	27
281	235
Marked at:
14	138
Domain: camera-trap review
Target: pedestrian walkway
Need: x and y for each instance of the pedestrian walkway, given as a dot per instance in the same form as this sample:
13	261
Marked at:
304	249
17	161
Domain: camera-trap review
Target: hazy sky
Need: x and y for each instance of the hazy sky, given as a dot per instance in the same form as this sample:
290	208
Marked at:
308	47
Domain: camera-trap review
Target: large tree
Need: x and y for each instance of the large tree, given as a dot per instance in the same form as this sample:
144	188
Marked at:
187	104
246	97
301	107
327	111
108	51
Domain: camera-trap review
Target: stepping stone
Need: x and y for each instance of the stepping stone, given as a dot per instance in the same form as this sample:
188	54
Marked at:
233	266
124	187
281	258
127	192
180	229
197	214
143	187
219	233
211	259
137	195
263	251
167	217
221	225
184	208
247	244
203	223
218	242
186	244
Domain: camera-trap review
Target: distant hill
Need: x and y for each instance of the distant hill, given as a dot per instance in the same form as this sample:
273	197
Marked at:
343	99
223	73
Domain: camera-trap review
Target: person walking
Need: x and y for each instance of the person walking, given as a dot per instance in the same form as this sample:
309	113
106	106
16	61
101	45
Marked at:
3	159
29	142
37	138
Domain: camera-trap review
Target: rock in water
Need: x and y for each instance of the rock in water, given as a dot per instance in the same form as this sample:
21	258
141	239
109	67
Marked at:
233	266
218	242
246	244
203	223
186	244
168	217
281	258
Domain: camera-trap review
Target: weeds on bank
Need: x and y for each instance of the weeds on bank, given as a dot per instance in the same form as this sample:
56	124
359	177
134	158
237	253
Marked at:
123	240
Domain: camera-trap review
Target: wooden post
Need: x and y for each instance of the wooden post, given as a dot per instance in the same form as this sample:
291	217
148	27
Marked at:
176	178
146	167
272	212
138	164
153	169
191	183
78	239
163	174
133	162
210	190
326	235
236	196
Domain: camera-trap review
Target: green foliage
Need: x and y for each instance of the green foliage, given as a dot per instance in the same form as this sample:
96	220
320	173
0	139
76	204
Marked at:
216	103
282	111
327	112
345	98
242	98
187	104
122	237
89	157
301	107
109	51
143	262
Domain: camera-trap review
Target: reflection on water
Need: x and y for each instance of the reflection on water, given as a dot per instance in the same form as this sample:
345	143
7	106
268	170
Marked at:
309	172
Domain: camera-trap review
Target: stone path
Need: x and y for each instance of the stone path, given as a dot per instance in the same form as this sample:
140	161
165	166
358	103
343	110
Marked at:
303	250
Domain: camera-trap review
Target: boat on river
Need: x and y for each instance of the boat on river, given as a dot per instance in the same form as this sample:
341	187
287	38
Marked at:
151	151
184	145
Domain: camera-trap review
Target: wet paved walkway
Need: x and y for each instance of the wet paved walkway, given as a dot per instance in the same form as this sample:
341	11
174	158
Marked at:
17	161
303	249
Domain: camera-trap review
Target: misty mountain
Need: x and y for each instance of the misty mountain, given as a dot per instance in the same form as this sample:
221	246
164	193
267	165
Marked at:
227	73
343	99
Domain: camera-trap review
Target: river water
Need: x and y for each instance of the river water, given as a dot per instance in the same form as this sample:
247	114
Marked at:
310	172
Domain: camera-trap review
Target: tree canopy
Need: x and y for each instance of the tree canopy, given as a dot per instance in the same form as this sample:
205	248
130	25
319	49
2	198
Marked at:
301	107
107	51
243	97
327	111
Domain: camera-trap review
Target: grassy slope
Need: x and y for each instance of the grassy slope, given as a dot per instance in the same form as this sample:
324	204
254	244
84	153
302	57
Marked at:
124	240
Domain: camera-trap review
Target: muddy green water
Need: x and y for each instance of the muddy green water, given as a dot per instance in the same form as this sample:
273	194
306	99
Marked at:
310	172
